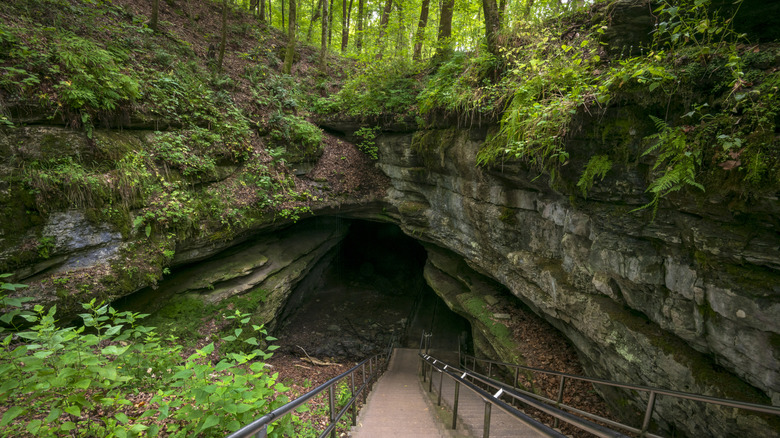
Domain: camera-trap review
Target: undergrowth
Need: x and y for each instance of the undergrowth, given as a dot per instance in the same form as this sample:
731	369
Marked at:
111	376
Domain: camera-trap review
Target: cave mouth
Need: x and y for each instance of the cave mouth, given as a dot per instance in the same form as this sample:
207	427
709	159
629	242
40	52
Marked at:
370	291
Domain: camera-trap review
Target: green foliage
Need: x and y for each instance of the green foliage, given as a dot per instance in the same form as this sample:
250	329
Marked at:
299	137
597	167
379	88
675	164
65	182
86	379
92	75
550	79
367	143
460	85
190	151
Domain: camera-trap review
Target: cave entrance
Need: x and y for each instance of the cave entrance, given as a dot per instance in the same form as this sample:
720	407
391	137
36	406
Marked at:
368	292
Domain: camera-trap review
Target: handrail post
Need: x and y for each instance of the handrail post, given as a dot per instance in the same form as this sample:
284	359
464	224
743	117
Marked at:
262	433
354	398
455	405
517	371
560	397
648	413
365	388
488	407
459	351
430	381
490	368
441	380
332	405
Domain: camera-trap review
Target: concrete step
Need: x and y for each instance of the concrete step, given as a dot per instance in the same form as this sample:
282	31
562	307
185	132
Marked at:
398	406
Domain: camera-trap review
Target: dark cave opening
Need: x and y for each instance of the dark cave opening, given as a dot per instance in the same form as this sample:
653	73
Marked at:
368	293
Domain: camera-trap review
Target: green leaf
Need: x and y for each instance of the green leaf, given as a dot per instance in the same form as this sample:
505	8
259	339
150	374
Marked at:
68	425
10	414
208	349
9	385
121	417
138	428
83	383
183	374
73	410
148	230
53	415
33	426
211	421
113	349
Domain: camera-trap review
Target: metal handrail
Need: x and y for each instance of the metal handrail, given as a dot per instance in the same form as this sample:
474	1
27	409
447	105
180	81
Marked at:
462	376
653	392
377	364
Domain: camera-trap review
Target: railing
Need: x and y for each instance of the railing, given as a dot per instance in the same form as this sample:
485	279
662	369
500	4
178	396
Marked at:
376	365
470	380
652	393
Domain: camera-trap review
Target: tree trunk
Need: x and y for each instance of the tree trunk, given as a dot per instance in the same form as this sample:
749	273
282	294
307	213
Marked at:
288	57
383	25
253	6
262	11
445	26
418	38
491	25
330	23
359	43
314	18
346	13
224	36
282	15
399	42
155	14
324	45
501	13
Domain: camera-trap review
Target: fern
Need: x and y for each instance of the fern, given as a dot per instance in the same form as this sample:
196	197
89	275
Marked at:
677	161
597	167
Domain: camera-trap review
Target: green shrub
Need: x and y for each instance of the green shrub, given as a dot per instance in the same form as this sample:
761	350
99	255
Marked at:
86	379
367	145
380	88
300	138
92	77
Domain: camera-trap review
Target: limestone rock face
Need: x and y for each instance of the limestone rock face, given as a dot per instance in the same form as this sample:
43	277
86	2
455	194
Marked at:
270	265
689	301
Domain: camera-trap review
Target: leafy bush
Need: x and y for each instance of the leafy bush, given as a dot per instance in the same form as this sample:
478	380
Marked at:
113	377
92	75
367	145
300	138
187	151
380	88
